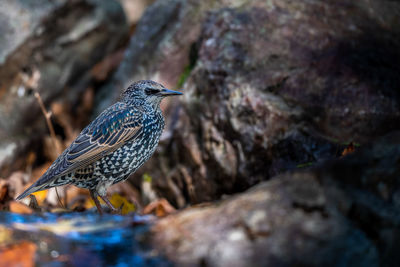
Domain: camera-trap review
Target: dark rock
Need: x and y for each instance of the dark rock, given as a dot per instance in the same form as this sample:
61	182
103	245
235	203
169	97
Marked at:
145	53
341	213
49	46
270	86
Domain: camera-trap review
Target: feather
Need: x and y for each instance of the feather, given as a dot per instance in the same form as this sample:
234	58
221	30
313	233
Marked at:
113	128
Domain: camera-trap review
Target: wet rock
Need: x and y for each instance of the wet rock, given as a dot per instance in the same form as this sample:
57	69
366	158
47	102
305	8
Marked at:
269	87
334	214
48	47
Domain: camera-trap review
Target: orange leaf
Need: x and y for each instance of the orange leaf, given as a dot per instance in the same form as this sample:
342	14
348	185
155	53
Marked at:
40	196
20	208
160	207
349	149
22	254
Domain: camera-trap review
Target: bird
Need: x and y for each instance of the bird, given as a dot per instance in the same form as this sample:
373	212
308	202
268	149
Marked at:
113	146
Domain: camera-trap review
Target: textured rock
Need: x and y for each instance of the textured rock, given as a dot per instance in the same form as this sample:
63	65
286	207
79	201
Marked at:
49	46
341	213
272	85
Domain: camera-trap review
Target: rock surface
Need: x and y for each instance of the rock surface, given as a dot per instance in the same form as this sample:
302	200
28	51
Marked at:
48	47
269	86
341	213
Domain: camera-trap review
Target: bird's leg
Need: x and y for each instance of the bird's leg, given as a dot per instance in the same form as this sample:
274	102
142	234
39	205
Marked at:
113	209
94	195
105	199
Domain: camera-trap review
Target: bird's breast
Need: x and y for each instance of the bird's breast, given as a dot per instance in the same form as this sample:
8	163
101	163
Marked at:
128	158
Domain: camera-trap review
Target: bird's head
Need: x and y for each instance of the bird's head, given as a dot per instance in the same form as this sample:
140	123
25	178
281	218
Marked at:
148	91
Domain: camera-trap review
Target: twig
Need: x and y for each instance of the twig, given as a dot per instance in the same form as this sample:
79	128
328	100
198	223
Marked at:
47	115
32	82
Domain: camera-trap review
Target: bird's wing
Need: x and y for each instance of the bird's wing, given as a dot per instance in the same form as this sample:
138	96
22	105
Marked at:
103	137
109	131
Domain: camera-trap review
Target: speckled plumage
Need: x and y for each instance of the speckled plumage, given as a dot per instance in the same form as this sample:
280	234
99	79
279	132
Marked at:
113	146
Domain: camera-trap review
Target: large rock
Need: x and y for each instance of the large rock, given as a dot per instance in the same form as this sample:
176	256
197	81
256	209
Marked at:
272	85
341	213
48	46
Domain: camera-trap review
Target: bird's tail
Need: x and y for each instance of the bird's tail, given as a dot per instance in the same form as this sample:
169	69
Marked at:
32	189
39	185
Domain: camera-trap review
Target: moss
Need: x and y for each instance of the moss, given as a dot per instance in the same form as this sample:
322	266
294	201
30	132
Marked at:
303	165
351	143
193	56
147	178
185	74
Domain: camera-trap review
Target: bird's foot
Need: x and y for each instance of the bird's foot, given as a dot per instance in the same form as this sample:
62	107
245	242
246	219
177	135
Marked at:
94	195
112	208
117	211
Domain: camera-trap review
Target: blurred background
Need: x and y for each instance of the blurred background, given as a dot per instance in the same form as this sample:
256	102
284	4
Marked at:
297	101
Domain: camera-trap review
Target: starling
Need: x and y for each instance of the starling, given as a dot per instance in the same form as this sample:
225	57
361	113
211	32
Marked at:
113	146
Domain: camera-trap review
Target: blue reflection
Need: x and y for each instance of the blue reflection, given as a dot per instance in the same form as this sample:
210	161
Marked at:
86	239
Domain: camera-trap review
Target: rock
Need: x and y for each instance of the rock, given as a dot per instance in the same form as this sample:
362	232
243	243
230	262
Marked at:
145	53
269	87
48	47
334	214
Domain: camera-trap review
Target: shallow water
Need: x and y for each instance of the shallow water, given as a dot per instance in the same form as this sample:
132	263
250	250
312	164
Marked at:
84	239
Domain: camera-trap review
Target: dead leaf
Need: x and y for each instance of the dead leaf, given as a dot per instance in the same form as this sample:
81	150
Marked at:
40	196
159	207
18	207
5	235
117	201
90	203
349	149
21	255
128	191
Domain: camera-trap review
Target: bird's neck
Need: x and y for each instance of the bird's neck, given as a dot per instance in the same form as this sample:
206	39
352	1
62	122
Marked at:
143	104
135	102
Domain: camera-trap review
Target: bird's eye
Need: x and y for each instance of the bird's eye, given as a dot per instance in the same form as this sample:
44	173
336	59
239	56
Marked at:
151	91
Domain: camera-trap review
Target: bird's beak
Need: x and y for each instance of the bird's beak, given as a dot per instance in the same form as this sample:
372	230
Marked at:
167	92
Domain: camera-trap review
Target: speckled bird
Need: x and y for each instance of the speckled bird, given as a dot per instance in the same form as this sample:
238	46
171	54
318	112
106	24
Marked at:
113	146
